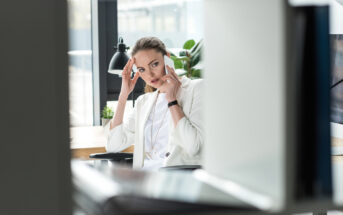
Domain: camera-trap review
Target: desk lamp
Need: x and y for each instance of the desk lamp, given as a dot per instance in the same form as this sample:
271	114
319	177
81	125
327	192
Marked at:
118	62
119	58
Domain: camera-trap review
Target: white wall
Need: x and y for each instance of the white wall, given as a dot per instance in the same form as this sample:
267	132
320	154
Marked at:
244	96
34	127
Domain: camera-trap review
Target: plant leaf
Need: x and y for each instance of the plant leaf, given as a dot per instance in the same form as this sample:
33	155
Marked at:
173	57
195	59
196	73
197	51
107	113
185	66
182	53
180	58
196	47
188	44
178	64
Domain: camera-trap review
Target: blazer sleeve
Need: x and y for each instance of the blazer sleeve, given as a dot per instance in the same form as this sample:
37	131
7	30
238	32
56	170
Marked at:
188	132
123	135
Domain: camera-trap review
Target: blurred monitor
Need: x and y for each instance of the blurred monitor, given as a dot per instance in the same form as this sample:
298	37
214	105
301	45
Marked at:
313	148
250	100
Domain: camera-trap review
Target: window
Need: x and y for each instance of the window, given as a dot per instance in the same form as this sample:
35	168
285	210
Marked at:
80	63
173	21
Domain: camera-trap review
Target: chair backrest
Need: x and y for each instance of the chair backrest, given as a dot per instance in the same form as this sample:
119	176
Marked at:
182	167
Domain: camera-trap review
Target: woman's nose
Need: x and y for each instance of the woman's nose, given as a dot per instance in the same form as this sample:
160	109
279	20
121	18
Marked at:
151	72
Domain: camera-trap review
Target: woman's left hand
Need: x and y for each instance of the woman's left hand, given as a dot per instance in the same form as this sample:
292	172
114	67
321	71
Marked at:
171	85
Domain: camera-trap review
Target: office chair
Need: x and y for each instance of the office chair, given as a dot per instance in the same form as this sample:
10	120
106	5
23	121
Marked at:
119	157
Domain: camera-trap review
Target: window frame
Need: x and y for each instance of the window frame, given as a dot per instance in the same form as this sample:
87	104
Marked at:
104	37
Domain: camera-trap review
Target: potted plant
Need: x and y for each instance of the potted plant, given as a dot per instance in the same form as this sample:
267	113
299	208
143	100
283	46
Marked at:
107	114
188	59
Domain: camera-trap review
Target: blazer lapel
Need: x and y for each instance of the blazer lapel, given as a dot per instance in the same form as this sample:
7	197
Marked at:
180	94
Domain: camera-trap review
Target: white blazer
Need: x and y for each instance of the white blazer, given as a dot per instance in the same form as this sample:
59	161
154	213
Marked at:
185	140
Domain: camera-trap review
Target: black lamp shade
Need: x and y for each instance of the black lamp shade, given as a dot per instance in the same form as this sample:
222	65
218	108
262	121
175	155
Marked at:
118	62
119	59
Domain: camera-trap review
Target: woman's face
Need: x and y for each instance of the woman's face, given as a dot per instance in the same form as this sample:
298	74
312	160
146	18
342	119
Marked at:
150	65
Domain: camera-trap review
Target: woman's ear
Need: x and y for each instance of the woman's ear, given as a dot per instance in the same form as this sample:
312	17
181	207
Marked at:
168	54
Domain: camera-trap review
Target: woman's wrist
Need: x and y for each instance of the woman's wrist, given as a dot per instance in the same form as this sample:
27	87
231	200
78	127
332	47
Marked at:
172	103
123	96
171	99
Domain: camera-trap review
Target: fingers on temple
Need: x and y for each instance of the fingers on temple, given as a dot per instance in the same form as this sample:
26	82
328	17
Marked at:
128	67
135	78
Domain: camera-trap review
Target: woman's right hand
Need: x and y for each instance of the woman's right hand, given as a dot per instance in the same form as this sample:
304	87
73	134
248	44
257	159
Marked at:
127	83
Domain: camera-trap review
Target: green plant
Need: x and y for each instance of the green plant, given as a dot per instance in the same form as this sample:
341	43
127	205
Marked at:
107	113
188	58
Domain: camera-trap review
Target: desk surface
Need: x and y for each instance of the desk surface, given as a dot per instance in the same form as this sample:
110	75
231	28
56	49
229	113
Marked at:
92	139
337	142
88	140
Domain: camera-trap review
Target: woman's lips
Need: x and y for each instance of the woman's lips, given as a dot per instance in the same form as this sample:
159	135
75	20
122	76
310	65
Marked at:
154	80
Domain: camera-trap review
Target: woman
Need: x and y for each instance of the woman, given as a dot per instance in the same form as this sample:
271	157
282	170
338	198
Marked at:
166	124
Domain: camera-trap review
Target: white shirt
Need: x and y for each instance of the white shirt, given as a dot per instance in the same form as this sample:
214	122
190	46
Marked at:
157	134
184	139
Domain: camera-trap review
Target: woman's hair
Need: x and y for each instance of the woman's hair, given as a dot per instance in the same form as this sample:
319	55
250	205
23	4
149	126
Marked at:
146	43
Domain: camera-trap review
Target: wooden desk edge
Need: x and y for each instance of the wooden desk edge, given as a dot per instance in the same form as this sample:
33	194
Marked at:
83	153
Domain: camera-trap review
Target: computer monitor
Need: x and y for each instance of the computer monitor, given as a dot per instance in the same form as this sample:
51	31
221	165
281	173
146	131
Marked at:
313	137
267	123
245	70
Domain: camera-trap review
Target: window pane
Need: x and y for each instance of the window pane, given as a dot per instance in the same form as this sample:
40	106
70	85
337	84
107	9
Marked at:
173	21
80	63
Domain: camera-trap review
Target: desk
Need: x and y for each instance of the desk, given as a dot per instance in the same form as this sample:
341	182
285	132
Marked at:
88	140
92	139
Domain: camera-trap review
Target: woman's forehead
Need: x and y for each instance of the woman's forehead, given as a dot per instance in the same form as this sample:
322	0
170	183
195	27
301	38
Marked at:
144	57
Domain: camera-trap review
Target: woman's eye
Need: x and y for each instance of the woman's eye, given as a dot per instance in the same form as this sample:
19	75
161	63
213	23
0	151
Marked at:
141	70
154	64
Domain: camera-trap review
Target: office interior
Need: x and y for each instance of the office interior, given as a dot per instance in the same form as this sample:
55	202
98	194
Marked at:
273	111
